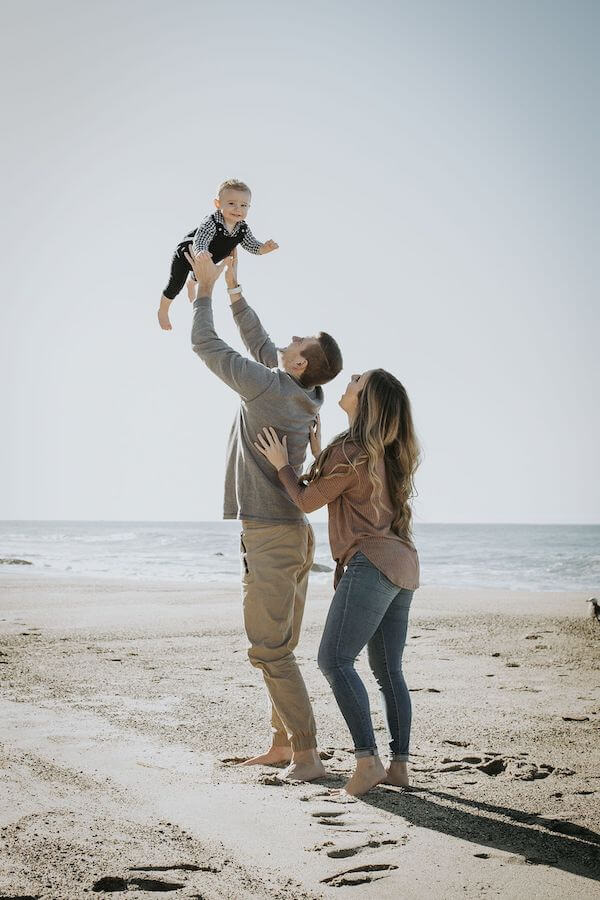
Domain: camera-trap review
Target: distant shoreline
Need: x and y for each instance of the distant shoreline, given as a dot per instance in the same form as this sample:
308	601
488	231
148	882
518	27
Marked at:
520	557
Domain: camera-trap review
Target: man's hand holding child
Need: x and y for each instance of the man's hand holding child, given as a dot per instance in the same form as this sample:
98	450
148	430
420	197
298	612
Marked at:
205	270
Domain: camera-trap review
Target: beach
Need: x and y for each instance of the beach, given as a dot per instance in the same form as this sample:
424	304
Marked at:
125	705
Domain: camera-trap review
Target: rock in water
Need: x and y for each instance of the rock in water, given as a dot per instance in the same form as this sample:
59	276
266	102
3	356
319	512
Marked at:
11	561
594	608
317	567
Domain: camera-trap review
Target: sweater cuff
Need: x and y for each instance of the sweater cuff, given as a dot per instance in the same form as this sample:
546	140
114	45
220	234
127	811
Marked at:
200	300
238	307
288	477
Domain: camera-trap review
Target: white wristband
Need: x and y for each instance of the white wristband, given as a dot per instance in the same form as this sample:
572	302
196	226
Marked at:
235	290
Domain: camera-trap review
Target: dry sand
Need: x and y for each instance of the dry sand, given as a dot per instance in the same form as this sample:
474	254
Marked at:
121	703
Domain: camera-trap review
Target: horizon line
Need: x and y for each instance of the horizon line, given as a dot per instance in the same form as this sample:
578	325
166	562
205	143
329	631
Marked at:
323	522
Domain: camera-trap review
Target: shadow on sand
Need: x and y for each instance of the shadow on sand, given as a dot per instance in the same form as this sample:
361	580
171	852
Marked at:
543	841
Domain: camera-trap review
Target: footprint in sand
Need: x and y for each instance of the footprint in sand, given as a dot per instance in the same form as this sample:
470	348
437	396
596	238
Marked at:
177	867
339	798
350	822
526	771
360	875
109	884
20	897
493	764
273	780
352	848
327	795
152	884
329	817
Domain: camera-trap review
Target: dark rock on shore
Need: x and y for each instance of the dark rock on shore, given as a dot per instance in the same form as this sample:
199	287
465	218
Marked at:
11	561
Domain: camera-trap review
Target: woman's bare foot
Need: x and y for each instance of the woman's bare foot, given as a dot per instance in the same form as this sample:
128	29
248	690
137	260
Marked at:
163	314
306	765
274	756
192	287
369	772
397	773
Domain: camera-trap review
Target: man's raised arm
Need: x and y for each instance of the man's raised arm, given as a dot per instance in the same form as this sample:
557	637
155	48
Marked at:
247	378
255	338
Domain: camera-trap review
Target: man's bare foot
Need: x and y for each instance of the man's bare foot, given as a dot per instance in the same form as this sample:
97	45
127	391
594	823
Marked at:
163	314
369	772
192	287
274	756
306	765
397	773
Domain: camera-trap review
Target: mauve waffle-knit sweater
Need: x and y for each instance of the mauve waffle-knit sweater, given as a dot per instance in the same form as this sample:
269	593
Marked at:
353	521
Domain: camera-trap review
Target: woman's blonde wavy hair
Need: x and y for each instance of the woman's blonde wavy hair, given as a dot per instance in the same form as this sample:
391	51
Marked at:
383	426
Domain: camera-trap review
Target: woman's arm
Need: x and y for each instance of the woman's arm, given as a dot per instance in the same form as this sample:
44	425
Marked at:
308	497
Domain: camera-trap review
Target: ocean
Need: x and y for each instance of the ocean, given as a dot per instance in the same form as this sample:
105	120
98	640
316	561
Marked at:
513	557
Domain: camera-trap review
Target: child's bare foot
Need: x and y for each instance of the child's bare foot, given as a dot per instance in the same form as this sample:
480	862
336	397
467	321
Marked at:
369	772
397	773
274	756
192	287
163	314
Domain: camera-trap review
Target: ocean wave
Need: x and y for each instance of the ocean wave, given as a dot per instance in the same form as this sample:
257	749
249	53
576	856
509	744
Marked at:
512	557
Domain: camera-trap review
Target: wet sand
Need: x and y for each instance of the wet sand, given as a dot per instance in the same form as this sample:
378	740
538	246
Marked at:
124	707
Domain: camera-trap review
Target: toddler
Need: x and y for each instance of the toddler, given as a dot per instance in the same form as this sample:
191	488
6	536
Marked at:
219	233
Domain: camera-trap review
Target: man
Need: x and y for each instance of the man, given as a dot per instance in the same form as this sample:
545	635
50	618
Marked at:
277	543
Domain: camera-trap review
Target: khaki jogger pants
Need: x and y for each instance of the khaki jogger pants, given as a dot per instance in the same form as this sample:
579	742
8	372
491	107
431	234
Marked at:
276	561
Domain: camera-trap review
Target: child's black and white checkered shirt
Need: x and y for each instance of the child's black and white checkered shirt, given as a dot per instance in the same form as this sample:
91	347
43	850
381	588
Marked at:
213	235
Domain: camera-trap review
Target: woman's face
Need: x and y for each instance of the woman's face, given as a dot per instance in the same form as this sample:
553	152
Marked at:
349	399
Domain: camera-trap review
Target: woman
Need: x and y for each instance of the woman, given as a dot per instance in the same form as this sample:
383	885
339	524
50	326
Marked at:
365	476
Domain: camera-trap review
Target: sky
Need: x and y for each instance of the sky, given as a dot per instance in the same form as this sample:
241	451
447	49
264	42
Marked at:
431	172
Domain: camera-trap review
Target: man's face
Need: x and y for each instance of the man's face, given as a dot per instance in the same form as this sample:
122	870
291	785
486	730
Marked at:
233	204
292	360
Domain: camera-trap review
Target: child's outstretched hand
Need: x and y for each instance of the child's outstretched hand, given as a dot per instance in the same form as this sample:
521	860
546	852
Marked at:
268	247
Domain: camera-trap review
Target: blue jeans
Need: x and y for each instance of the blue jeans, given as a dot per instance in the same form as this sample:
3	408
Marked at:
367	609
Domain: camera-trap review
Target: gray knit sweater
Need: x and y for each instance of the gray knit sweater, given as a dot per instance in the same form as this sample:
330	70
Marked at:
268	396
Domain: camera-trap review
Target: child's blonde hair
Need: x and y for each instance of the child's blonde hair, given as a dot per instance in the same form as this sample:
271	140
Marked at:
234	185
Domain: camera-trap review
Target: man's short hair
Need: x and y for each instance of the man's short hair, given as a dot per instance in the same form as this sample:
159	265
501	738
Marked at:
324	359
233	184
